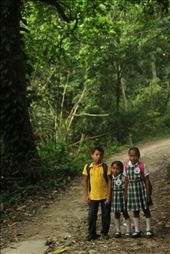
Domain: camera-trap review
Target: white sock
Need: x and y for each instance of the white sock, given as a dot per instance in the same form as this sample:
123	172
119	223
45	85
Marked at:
128	225
136	224
117	225
148	224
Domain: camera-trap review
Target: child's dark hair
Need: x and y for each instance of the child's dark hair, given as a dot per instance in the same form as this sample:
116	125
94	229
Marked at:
134	148
119	164
98	148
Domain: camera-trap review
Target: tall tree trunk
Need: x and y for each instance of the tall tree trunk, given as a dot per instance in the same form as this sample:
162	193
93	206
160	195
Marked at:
19	147
154	79
125	104
118	96
153	66
118	87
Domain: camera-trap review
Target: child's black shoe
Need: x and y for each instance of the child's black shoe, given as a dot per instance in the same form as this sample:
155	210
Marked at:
149	234
105	236
128	234
117	235
136	235
92	237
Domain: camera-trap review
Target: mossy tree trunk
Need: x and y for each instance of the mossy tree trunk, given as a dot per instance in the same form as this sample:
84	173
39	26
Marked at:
19	151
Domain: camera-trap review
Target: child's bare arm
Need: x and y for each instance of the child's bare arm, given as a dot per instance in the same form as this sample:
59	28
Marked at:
109	188
85	184
147	185
148	190
126	186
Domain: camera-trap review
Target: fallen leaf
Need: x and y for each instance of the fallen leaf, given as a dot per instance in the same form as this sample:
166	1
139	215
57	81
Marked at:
60	250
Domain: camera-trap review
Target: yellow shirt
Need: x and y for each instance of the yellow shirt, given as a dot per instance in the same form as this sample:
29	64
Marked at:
98	185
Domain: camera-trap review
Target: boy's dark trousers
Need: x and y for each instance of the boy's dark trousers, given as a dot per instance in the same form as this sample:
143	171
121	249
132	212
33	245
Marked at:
92	216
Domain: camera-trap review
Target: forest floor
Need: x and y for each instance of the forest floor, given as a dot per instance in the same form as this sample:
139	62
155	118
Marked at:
57	222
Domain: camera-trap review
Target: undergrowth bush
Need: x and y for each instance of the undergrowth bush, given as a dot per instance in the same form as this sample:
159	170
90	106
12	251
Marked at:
58	167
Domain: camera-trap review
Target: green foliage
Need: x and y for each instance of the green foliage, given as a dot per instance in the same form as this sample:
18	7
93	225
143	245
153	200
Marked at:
113	42
58	161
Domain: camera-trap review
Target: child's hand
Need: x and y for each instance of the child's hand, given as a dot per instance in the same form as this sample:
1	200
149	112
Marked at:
149	200
108	199
126	197
87	199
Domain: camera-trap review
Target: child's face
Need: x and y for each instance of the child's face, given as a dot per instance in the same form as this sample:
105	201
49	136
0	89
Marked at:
133	156
97	157
115	170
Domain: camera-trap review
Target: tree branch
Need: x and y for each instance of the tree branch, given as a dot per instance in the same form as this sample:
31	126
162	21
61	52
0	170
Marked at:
72	114
60	9
88	114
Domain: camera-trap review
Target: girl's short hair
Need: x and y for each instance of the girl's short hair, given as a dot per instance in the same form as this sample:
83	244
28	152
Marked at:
134	148
119	164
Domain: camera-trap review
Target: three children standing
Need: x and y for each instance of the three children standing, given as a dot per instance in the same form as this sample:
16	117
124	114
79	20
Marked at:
122	189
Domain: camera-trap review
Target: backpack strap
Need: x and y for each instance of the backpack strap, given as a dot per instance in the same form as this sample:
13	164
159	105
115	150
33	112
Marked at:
88	170
105	167
88	175
142	169
126	166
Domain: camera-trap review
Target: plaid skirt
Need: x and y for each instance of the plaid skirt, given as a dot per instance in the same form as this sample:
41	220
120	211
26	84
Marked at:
118	201
136	196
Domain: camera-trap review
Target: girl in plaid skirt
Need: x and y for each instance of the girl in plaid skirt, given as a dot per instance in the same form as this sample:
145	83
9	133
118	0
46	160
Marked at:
137	191
118	198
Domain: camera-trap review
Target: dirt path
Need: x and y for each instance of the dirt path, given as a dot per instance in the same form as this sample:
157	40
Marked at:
63	222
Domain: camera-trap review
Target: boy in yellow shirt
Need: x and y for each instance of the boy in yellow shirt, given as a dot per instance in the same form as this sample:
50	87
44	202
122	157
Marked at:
97	190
